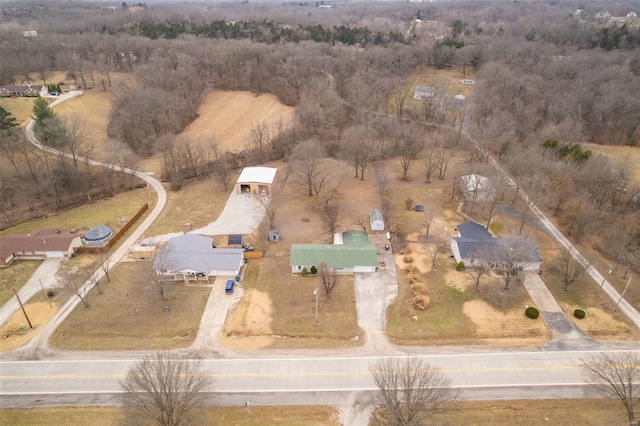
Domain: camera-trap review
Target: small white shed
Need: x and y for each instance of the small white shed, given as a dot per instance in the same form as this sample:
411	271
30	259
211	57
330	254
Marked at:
377	221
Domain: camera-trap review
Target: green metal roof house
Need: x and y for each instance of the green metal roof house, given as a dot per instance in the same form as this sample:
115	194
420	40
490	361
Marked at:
350	252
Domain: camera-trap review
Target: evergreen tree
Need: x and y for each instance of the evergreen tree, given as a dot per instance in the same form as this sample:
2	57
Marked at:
7	120
41	110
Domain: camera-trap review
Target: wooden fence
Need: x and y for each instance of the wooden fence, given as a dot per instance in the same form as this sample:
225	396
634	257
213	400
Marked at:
117	236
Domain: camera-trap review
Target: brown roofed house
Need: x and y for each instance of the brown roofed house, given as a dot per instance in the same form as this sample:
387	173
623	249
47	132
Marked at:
41	244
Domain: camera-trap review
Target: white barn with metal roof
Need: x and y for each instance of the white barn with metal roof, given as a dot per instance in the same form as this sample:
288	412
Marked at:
256	180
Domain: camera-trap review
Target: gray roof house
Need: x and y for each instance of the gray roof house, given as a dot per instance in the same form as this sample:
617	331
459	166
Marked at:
474	241
351	252
192	256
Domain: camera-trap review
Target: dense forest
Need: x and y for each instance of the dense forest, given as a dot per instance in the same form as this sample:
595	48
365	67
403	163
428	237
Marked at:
549	76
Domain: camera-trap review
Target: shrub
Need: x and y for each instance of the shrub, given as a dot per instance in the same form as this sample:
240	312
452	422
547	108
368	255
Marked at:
411	269
51	293
408	203
579	313
420	301
304	272
532	312
412	278
314	270
460	266
408	258
418	287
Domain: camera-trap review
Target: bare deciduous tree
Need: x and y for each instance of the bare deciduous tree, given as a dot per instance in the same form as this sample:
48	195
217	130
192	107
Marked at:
330	217
103	260
329	278
163	263
480	266
165	390
308	169
382	179
411	392
570	268
616	376
431	211
436	246
74	283
359	217
270	205
513	254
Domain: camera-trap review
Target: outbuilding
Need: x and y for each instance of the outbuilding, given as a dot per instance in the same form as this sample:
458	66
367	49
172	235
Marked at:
376	220
256	180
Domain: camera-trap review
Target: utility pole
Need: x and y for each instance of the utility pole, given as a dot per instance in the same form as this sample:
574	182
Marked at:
45	294
22	306
622	295
315	293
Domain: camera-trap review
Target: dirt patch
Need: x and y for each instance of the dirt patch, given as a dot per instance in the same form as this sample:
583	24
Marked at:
458	280
16	332
493	324
249	324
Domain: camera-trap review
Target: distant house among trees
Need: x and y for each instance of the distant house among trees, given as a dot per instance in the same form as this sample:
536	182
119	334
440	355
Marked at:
256	180
20	91
468	81
41	244
475	245
350	252
422	93
30	33
476	188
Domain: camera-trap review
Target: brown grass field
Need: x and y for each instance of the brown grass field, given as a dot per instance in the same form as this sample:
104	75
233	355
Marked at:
228	116
556	412
39	310
113	212
15	276
129	314
198	203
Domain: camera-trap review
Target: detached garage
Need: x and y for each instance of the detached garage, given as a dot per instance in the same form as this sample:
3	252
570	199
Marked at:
256	180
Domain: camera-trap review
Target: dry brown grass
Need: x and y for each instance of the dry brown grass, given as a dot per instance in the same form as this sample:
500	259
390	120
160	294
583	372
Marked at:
93	108
198	203
228	116
17	330
293	322
300	415
15	276
129	314
106	211
593	412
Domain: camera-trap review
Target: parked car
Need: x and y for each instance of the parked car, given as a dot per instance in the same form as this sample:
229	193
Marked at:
229	287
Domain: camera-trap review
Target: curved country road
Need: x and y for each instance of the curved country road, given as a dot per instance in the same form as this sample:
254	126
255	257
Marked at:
40	340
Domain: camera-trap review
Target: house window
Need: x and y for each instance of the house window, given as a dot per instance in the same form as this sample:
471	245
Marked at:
299	267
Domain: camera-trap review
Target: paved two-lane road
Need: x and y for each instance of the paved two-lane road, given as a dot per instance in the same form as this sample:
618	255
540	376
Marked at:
482	375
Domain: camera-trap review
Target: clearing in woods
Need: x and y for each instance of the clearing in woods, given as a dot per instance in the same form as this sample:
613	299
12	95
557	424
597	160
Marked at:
228	116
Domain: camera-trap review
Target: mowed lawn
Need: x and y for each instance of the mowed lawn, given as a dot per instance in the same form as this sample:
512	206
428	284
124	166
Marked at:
556	412
15	276
130	315
114	212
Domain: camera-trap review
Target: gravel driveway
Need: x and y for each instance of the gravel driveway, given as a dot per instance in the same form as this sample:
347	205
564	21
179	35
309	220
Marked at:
241	215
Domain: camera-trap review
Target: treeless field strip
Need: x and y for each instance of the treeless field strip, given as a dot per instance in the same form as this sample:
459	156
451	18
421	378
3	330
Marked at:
229	115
